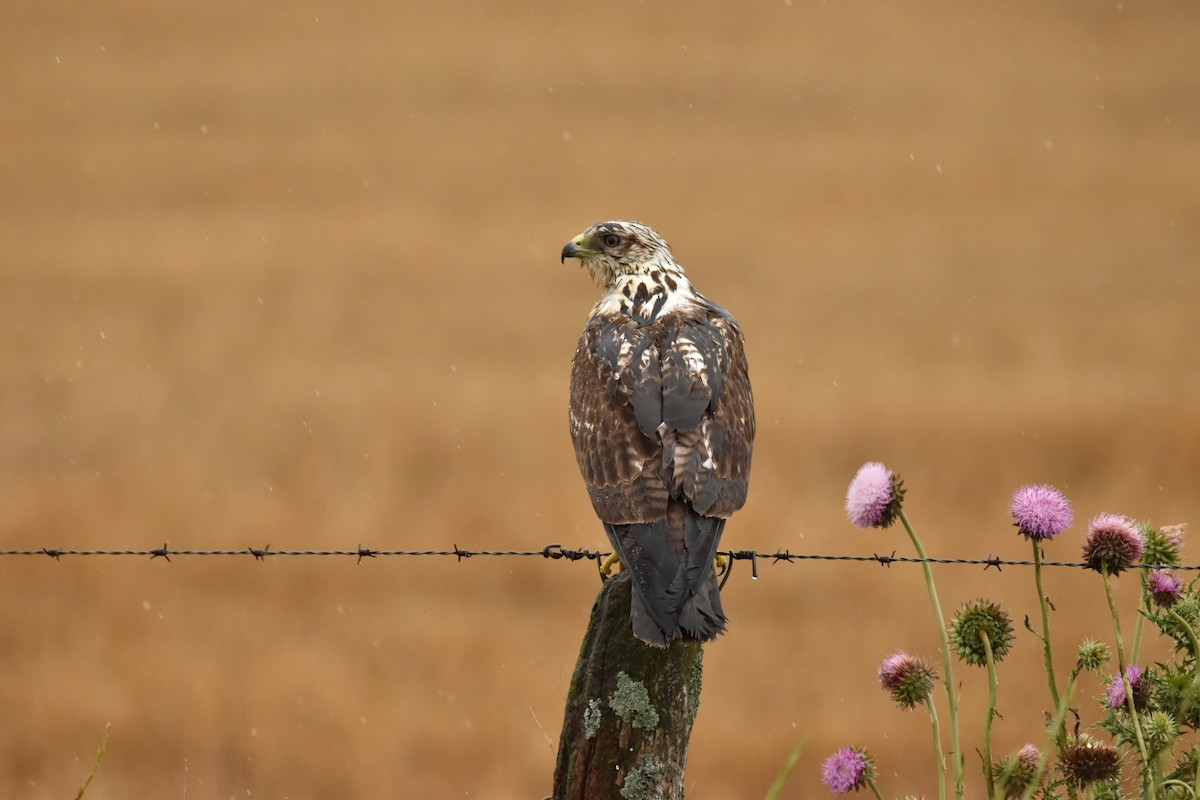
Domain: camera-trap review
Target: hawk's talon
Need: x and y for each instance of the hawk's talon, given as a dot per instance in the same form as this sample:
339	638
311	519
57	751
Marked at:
611	565
720	563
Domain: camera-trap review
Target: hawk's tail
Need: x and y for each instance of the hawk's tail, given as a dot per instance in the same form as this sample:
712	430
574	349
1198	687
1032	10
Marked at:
675	592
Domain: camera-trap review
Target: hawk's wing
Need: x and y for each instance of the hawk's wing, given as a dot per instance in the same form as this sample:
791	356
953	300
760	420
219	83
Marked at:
708	408
663	410
615	411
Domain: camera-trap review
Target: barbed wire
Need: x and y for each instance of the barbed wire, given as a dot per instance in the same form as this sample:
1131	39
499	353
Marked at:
558	552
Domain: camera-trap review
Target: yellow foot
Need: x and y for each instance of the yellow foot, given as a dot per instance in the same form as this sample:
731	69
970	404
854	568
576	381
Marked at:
611	565
720	563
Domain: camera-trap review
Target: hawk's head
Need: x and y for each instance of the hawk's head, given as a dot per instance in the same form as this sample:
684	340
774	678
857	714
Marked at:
612	249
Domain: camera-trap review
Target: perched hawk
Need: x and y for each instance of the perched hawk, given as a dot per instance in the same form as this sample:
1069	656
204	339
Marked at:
663	422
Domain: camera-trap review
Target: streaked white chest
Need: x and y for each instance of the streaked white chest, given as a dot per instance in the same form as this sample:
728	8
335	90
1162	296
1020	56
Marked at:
645	298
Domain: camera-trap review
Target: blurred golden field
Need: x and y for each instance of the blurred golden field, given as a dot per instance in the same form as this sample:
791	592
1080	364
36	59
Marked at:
288	275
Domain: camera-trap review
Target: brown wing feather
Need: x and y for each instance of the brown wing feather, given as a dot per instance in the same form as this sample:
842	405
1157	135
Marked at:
615	371
731	432
663	410
707	396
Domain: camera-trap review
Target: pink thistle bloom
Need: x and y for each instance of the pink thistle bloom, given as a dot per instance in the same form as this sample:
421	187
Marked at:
908	679
873	499
1113	543
1029	755
849	769
1164	588
1041	511
1014	774
1115	697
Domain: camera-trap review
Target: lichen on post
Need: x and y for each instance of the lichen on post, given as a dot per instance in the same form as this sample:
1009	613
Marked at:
630	709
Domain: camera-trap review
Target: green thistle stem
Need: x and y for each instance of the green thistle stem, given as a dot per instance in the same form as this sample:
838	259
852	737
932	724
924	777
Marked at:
1189	789
1191	634
1045	634
1135	723
937	747
874	788
1143	610
1196	773
1056	732
988	779
1192	640
947	664
1195	644
789	765
96	764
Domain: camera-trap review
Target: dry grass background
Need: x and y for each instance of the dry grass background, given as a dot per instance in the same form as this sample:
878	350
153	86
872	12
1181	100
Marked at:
289	274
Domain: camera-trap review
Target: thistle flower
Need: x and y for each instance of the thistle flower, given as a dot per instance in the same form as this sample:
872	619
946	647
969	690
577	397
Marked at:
849	769
1174	534
977	618
1086	761
1014	773
1093	655
1161	731
1164	588
1112	544
1115	698
874	497
909	679
1040	511
1163	545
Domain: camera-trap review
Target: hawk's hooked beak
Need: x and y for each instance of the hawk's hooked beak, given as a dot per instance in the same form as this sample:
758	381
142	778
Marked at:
575	249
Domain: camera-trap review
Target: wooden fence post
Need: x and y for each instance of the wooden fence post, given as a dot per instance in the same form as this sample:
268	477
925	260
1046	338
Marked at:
630	709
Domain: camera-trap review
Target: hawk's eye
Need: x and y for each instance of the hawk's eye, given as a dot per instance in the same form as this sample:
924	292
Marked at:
611	240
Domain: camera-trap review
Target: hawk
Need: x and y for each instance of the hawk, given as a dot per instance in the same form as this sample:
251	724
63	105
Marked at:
662	417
